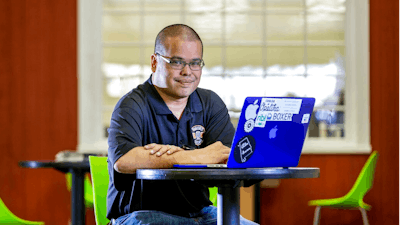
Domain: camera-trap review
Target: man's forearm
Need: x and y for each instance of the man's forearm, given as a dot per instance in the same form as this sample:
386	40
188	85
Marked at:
139	158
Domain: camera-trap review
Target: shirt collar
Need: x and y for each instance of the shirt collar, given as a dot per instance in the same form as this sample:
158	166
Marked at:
155	99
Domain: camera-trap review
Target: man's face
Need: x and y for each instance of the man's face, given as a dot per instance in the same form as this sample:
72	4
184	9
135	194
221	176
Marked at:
173	82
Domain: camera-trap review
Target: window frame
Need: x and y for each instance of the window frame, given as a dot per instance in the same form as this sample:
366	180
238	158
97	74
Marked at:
91	137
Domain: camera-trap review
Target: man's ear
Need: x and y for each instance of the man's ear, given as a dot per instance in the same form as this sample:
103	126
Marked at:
154	63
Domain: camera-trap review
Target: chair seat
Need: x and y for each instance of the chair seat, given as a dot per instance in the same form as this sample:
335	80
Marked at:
7	217
342	202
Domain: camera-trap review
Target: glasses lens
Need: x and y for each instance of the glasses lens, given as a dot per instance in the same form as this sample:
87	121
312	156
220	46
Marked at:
196	65
179	64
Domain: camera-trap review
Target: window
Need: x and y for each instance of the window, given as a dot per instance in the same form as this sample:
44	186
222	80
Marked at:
314	48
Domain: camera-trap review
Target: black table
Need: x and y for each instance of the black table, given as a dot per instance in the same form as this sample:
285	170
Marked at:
228	182
77	170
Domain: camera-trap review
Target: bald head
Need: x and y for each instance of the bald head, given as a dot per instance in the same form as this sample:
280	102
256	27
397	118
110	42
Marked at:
185	32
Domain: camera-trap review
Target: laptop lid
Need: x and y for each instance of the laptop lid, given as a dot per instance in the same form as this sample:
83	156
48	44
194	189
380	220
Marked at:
271	132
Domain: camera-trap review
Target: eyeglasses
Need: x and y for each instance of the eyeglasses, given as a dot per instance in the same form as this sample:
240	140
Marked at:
178	64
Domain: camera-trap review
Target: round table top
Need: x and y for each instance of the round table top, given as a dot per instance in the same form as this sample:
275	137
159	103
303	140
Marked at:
228	174
63	166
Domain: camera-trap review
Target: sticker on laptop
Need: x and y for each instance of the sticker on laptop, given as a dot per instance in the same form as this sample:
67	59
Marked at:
250	115
306	118
277	109
244	149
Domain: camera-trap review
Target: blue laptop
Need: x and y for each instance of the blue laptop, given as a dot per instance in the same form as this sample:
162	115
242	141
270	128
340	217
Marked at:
270	133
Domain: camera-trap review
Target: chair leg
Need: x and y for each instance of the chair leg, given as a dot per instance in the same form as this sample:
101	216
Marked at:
317	215
364	216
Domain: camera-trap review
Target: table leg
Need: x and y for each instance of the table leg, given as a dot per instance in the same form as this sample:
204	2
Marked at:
228	205
257	204
77	197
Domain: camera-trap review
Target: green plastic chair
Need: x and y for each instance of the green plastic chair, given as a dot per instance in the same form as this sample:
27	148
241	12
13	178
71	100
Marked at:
353	199
88	189
213	195
7	217
100	179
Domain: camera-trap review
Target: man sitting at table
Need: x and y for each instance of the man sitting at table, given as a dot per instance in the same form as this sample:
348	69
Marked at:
167	120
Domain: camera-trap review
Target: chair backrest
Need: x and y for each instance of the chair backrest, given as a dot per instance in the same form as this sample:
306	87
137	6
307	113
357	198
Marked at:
88	189
365	179
100	179
213	195
7	217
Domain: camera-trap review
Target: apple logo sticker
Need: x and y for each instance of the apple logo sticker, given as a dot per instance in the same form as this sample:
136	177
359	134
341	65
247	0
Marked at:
250	115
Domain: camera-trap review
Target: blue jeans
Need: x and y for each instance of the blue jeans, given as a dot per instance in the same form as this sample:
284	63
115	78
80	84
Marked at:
207	216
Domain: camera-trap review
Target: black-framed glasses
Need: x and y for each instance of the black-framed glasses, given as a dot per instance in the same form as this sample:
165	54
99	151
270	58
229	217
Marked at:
179	64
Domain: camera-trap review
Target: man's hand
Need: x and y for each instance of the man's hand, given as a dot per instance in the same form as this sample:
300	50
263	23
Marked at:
162	149
213	154
138	158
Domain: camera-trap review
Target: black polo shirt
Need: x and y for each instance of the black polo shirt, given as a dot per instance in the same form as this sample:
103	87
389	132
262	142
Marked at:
141	117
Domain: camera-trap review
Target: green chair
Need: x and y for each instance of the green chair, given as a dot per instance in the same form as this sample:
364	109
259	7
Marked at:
7	217
213	195
88	192
100	179
353	199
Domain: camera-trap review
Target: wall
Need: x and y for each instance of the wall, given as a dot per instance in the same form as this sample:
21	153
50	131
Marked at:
38	104
287	204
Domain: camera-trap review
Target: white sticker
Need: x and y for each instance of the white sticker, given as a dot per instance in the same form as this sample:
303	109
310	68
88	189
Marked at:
306	118
248	126
290	105
250	115
277	109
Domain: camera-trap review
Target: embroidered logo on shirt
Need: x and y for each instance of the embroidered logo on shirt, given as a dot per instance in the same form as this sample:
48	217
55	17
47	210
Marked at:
197	132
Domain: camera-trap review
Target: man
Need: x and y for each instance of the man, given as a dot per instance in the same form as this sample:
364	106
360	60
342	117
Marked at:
165	121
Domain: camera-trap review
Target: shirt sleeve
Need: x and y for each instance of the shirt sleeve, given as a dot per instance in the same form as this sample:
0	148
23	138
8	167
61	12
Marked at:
218	123
124	135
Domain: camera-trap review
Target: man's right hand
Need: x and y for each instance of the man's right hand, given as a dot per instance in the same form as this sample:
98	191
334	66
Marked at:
213	154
